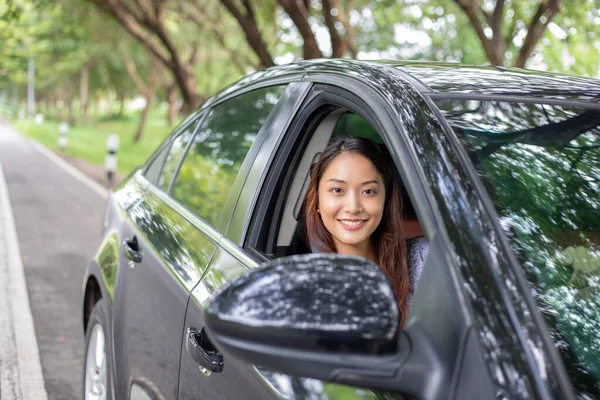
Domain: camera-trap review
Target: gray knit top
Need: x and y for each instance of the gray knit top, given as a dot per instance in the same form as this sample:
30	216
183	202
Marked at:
417	249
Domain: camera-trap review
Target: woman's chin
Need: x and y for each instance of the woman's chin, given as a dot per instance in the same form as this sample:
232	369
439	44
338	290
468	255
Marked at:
353	244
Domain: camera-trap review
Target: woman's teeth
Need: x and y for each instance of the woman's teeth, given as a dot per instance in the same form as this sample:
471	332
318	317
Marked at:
351	223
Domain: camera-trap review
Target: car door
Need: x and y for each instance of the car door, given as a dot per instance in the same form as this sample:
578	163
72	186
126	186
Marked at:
254	233
162	258
209	184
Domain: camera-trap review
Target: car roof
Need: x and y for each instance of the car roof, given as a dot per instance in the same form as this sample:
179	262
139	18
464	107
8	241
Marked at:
441	78
489	80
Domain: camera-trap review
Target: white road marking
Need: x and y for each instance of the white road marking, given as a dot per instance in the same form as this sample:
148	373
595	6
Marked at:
80	176
20	368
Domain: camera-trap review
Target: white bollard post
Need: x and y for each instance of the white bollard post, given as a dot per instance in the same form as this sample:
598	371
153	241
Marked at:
38	119
111	161
63	129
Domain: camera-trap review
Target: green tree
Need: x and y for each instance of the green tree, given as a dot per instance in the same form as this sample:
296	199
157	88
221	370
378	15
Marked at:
154	25
298	23
556	34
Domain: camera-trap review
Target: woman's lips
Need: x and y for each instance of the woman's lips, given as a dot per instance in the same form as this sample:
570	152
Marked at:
352	224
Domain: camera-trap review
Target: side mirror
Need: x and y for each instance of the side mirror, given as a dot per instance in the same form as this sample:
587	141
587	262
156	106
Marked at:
325	316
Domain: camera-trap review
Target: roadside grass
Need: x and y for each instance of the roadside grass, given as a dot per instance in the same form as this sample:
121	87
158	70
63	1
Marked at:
89	141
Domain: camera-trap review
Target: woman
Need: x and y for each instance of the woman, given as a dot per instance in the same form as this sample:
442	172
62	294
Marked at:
353	206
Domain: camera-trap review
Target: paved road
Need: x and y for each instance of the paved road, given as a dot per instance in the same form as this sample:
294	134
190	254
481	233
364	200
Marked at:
58	221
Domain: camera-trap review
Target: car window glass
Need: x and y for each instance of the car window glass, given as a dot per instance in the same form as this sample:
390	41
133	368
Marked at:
175	154
156	163
218	150
541	166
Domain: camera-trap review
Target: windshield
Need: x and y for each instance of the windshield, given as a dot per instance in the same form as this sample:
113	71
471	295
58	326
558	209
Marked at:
541	166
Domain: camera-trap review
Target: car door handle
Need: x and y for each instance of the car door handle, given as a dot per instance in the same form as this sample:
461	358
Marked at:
203	351
132	249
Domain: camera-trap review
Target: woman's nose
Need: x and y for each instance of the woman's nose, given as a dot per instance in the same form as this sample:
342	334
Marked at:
353	204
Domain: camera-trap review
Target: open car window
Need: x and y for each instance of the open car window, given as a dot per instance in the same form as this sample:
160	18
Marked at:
541	166
278	228
290	230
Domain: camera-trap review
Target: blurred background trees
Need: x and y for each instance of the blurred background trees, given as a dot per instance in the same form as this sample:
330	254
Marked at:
95	58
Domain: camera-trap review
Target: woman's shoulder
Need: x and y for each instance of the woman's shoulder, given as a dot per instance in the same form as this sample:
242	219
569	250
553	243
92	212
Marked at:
418	245
417	249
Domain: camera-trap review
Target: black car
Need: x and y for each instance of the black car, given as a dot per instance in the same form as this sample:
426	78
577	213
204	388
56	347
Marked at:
194	292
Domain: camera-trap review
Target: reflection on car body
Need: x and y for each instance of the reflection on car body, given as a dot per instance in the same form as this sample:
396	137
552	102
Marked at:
502	169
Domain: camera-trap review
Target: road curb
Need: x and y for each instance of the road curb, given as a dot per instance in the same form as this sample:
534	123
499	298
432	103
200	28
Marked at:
21	374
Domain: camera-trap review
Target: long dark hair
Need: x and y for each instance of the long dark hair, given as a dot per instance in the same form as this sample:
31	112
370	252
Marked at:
388	238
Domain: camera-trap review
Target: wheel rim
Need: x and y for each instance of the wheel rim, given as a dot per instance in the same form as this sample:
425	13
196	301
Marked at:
95	366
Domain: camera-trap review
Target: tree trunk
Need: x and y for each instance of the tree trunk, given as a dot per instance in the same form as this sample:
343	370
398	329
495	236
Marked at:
121	103
147	25
540	21
343	18
172	97
149	96
110	108
58	112
51	105
298	12
44	106
15	98
143	117
71	115
495	47
84	93
338	45
247	22
473	10
189	92
200	17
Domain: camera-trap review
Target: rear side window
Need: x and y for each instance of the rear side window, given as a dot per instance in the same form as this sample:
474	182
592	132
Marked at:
541	166
173	155
156	163
218	150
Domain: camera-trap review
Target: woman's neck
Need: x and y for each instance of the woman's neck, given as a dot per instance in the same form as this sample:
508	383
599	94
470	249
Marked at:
366	250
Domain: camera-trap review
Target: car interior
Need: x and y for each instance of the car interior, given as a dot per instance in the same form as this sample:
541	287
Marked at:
291	230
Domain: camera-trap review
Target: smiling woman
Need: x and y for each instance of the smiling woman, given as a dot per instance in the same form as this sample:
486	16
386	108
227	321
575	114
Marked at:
353	206
351	197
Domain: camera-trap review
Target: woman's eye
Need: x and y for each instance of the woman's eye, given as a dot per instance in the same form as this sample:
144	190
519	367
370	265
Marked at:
336	190
369	191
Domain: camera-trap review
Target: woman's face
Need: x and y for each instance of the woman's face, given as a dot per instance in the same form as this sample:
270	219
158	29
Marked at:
351	202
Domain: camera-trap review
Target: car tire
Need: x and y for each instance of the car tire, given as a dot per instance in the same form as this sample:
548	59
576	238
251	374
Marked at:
96	364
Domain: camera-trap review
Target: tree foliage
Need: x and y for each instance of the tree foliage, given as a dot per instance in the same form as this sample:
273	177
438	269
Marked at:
47	31
202	46
552	35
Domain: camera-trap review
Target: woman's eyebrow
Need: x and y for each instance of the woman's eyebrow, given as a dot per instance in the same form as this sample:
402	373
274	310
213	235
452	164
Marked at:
363	183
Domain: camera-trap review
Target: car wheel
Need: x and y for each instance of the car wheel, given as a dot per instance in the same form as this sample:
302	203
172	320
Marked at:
96	372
